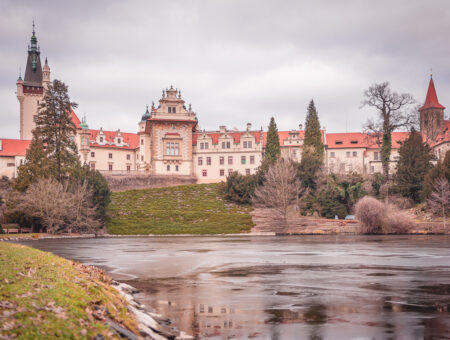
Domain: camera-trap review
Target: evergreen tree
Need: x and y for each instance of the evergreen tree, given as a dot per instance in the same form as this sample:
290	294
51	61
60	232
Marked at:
273	150
56	130
412	167
312	155
440	170
313	135
36	166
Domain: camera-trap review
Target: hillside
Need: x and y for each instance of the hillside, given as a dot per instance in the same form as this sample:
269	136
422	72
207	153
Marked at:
186	209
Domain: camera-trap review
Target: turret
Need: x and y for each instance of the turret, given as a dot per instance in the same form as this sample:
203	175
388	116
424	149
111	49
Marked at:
84	139
431	113
46	74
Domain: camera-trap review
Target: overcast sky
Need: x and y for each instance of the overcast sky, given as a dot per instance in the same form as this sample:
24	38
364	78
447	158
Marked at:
235	61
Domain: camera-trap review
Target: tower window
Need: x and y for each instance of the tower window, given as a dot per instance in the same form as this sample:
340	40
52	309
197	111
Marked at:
128	157
110	156
92	154
177	167
168	167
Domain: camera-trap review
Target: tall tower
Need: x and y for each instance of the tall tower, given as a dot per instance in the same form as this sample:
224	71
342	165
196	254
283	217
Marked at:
30	90
431	114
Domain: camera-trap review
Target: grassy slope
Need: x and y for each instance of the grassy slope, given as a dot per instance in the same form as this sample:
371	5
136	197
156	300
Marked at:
43	296
186	209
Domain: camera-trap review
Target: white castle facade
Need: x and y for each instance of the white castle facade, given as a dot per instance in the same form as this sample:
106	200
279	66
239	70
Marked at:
168	140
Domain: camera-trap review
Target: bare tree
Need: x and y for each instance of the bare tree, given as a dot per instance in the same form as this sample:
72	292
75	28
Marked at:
395	111
280	188
439	201
56	207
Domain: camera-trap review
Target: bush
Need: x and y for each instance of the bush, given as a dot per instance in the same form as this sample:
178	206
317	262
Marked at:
380	218
1	230
239	188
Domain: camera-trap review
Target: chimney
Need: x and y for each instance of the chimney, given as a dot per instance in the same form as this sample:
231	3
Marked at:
249	126
222	128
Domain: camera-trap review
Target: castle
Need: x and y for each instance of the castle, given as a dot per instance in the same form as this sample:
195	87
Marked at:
169	141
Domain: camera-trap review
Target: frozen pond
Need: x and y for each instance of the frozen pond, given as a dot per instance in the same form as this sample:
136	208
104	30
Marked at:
308	287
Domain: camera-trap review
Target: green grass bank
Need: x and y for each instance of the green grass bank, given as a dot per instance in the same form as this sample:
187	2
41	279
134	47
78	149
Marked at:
43	296
185	209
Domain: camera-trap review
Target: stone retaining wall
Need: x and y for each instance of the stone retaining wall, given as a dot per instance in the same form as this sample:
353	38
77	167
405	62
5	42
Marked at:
131	182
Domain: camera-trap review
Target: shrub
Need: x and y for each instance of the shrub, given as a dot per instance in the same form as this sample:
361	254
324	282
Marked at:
380	218
1	230
239	188
369	212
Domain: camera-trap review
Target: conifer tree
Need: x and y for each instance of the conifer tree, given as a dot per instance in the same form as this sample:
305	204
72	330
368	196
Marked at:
56	130
312	155
412	167
313	135
440	170
273	150
36	166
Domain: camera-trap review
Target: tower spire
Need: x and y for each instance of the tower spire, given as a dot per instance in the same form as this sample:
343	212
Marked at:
431	101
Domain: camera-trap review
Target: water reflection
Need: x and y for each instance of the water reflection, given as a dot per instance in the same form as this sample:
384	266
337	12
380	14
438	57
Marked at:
284	288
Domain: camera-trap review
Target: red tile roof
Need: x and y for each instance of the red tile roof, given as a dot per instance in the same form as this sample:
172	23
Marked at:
215	136
75	119
283	135
361	140
431	101
130	138
444	136
14	147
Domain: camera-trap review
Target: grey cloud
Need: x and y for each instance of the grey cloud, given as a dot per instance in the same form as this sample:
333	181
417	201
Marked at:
235	61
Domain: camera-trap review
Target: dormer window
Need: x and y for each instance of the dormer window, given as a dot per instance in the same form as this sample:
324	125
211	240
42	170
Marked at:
172	109
101	139
353	142
119	141
338	142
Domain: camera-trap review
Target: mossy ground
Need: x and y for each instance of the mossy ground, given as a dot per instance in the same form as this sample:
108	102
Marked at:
43	296
186	209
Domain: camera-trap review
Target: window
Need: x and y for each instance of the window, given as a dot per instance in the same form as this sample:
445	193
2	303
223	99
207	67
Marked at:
119	141
247	172
341	167
168	167
142	142
128	157
230	160
204	173
338	142
208	160
252	159
202	309
210	309
92	166
142	158
34	118
243	159
348	154
375	156
294	153
355	154
174	110
110	167
202	146
226	145
92	154
177	167
172	149
332	154
200	161
245	145
222	172
222	160
353	142
206	145
101	139
230	171
128	168
110	155
249	144
372	169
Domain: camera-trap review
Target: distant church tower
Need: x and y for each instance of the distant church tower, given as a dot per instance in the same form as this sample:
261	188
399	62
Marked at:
431	114
30	90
